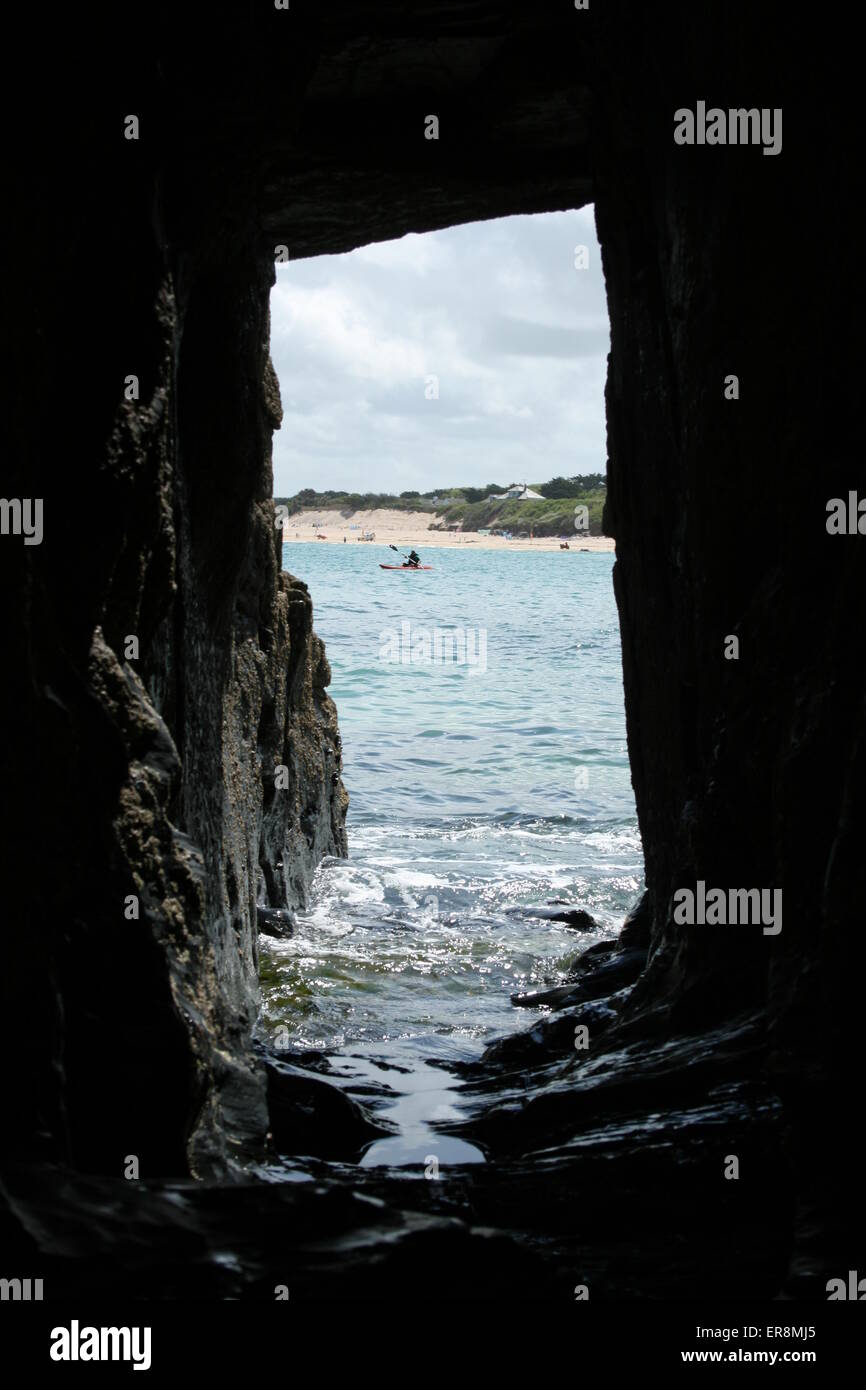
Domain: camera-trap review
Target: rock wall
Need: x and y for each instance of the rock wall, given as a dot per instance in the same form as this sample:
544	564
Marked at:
748	772
146	770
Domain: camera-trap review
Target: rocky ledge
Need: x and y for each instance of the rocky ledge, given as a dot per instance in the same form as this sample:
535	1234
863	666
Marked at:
606	1177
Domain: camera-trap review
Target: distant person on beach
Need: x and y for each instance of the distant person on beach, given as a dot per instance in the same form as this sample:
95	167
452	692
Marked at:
414	559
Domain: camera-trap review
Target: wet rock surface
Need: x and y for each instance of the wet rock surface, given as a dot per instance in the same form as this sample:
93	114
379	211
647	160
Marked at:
274	921
576	917
601	970
311	1116
604	1167
598	1172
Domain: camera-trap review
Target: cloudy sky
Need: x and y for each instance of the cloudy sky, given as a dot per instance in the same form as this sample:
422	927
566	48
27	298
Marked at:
517	336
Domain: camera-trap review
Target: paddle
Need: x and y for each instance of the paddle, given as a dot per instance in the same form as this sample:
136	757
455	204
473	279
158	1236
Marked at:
399	552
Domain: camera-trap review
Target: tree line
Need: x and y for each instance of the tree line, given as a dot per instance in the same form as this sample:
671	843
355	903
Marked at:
368	501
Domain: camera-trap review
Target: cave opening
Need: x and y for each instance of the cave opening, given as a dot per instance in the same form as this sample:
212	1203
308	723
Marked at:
492	834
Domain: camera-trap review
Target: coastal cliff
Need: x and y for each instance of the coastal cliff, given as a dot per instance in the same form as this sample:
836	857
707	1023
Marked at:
176	715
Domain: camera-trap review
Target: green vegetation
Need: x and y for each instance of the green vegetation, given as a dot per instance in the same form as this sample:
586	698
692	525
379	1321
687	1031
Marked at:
472	508
308	499
544	517
565	487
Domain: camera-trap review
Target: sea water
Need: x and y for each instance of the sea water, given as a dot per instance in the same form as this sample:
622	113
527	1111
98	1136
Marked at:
479	787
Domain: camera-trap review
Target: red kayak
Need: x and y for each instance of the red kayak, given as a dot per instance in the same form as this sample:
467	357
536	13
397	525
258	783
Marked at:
404	567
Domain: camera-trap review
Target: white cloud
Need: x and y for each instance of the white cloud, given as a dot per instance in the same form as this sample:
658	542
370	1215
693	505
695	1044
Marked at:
496	310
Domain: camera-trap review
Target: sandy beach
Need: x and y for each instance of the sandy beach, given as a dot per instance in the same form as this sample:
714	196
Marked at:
410	530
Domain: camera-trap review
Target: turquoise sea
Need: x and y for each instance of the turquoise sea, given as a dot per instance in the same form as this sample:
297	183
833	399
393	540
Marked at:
481	712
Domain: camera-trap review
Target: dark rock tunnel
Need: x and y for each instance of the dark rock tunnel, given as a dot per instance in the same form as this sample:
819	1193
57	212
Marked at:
144	776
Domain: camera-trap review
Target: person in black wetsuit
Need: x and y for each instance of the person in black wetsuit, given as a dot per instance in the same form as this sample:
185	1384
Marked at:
413	559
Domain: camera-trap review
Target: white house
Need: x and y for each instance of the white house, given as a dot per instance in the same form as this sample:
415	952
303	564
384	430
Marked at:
519	493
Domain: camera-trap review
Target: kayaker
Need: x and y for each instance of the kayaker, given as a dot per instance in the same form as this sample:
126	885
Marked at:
414	559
